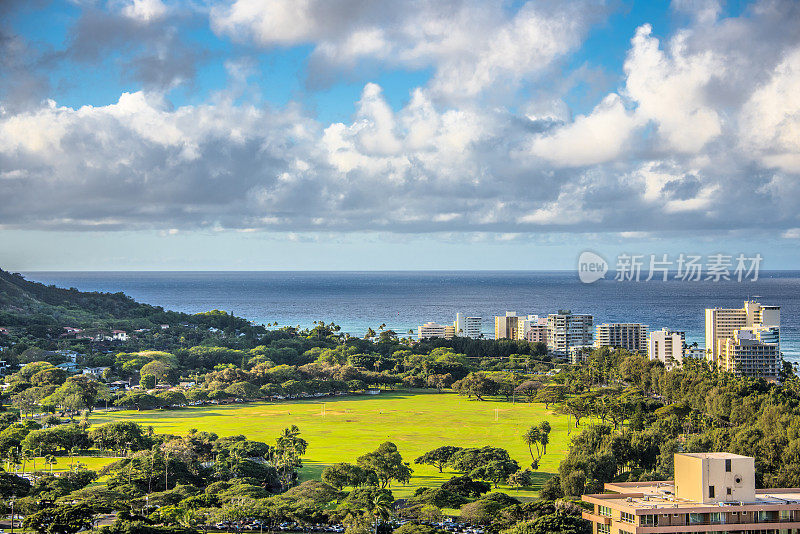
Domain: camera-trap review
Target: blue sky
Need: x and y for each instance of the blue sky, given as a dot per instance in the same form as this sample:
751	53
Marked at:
275	134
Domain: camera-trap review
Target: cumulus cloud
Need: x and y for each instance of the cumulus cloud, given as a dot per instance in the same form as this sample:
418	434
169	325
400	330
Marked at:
472	46
701	132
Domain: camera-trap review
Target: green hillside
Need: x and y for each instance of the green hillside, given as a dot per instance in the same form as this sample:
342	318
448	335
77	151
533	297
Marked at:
23	302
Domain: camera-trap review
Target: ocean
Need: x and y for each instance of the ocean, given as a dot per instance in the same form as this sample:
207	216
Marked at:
405	299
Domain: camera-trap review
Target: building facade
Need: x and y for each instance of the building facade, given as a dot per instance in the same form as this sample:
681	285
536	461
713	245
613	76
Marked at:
565	330
751	352
667	346
435	330
629	336
468	326
712	492
721	323
506	326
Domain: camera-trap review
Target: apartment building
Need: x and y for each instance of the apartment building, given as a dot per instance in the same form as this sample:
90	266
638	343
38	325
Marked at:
435	330
712	492
690	351
532	328
751	352
629	336
565	330
534	331
721	323
667	346
506	326
468	326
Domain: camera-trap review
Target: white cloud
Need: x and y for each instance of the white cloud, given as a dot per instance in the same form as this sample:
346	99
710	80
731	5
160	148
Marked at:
601	136
671	89
704	122
791	233
471	45
144	10
770	120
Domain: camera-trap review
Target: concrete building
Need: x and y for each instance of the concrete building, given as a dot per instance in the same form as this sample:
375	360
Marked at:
721	323
712	492
506	326
579	353
565	330
533	329
751	352
468	326
690	351
434	330
628	336
667	346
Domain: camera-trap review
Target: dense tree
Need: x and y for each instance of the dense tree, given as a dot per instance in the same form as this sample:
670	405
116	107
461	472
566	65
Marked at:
63	518
342	475
438	457
387	464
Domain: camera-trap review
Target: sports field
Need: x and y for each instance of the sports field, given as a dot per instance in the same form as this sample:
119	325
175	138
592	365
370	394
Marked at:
340	429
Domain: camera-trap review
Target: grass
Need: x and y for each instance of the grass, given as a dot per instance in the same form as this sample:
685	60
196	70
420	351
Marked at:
352	426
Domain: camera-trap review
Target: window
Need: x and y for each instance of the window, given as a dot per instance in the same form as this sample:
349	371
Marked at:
715	517
603	529
711	492
727	466
729	491
695	519
604	510
627	518
649	520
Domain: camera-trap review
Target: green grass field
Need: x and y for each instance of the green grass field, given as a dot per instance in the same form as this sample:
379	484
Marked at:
352	426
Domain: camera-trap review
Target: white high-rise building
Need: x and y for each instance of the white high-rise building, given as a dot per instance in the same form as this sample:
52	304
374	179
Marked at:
722	323
628	336
468	326
565	330
667	346
435	330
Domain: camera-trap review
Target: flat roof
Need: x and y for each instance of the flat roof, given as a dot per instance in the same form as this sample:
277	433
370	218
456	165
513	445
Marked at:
718	455
659	496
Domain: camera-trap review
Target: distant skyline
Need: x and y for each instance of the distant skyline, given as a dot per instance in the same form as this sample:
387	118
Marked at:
363	135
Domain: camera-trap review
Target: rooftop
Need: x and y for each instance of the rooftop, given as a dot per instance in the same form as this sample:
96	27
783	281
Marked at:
660	495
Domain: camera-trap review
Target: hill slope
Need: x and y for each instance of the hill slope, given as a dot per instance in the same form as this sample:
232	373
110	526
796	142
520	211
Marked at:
23	302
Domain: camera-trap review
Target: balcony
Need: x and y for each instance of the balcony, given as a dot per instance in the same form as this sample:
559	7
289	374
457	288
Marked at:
603	520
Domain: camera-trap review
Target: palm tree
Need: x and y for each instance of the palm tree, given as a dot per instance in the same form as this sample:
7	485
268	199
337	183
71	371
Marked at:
51	461
27	456
381	505
532	438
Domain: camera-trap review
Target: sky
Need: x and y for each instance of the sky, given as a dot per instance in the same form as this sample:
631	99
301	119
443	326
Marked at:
425	134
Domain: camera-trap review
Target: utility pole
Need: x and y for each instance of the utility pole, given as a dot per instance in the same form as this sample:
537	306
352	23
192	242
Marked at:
12	515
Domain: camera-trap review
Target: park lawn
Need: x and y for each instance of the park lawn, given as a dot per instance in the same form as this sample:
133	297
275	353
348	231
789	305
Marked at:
342	428
64	463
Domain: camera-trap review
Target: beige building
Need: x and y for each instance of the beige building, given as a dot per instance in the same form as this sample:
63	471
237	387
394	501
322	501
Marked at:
565	330
506	326
721	323
629	336
666	346
712	492
434	330
751	352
